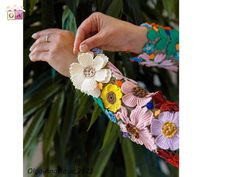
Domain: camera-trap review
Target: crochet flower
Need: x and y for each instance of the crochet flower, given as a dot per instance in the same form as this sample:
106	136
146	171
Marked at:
86	74
171	158
111	97
148	48
163	104
160	60
136	125
134	95
109	114
116	72
166	130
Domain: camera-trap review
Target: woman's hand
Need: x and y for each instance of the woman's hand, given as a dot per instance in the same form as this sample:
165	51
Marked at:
54	46
109	33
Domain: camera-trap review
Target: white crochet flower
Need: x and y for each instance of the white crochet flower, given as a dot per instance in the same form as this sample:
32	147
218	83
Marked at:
88	71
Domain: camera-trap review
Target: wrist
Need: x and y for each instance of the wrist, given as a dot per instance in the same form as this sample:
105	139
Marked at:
138	38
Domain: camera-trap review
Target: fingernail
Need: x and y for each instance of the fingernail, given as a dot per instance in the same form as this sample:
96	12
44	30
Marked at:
30	48
34	35
83	48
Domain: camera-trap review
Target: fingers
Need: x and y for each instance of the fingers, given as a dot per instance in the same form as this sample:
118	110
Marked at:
81	33
42	39
39	56
40	51
87	28
92	42
41	47
44	33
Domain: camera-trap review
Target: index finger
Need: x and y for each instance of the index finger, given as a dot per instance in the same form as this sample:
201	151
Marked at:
83	31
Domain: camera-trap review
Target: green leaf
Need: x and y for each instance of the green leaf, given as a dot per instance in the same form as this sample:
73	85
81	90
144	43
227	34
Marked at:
171	50
37	100
34	128
68	20
69	116
174	35
97	111
163	33
161	44
52	123
67	124
105	154
115	8
169	5
32	4
39	83
129	157
72	5
83	107
107	135
147	167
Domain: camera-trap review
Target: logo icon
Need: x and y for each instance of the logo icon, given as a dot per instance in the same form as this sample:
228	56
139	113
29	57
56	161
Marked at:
15	12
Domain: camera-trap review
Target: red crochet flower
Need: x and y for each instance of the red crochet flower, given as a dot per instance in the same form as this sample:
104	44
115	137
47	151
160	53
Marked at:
163	104
171	158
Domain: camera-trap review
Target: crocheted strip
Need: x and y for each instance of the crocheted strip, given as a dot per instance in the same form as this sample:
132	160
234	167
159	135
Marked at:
145	118
162	48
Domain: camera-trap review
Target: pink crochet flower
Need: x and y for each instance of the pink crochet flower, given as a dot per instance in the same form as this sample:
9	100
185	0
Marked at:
166	130
136	125
159	58
116	72
134	95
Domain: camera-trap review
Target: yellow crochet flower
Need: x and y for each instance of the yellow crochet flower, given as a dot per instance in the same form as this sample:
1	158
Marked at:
111	97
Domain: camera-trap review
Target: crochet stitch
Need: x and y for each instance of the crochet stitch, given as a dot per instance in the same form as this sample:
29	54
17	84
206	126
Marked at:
146	118
162	48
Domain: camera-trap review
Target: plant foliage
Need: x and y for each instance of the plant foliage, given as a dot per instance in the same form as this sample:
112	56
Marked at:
74	133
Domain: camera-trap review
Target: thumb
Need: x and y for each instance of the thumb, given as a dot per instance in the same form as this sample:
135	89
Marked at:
94	41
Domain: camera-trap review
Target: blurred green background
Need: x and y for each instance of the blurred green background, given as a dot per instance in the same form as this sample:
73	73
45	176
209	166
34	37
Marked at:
70	129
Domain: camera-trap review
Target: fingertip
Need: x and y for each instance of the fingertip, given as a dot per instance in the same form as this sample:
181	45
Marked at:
83	48
35	36
31	57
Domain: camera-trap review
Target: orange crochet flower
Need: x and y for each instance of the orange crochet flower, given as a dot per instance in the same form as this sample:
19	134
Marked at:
118	83
166	28
151	56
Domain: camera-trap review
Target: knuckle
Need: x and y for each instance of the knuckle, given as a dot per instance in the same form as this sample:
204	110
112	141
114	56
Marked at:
102	36
96	16
59	37
68	33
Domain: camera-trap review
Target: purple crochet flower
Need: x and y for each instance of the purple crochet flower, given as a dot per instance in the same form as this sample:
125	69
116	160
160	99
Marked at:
166	130
159	61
